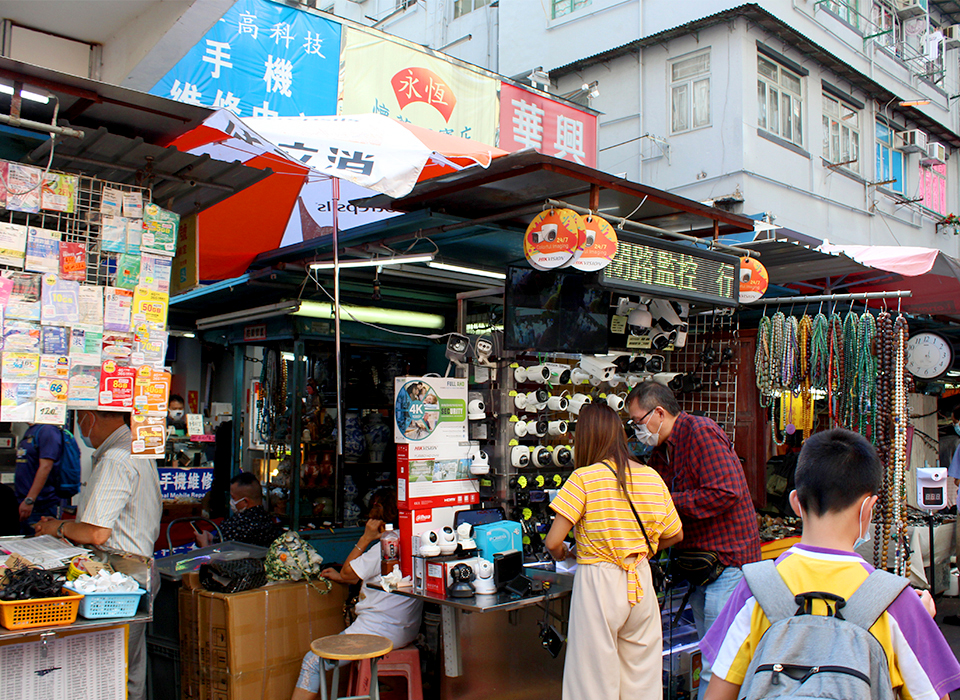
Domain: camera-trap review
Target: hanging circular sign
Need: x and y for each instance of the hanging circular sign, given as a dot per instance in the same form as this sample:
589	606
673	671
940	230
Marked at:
753	280
552	238
600	245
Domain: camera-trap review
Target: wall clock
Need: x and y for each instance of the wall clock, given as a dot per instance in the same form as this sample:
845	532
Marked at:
929	355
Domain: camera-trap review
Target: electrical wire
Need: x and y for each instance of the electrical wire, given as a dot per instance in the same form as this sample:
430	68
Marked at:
53	145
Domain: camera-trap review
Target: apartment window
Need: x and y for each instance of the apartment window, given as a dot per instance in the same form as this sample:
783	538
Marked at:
690	93
847	10
565	7
779	101
462	7
841	133
884	25
933	188
889	160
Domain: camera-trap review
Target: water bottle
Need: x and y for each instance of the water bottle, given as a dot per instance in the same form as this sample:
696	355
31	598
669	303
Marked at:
389	549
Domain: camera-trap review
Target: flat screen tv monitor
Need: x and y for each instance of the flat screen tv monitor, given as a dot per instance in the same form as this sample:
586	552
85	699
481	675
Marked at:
555	312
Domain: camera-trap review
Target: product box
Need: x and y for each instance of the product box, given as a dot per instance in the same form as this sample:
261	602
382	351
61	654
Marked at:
434	476
497	537
250	645
437	578
430	410
415	522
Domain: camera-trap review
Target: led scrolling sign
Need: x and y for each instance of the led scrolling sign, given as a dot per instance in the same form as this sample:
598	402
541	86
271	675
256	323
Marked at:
652	267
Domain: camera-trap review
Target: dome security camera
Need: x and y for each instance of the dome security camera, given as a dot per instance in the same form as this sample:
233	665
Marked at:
448	541
430	543
465	534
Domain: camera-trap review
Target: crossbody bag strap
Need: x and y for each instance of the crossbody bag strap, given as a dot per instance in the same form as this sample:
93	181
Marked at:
650	551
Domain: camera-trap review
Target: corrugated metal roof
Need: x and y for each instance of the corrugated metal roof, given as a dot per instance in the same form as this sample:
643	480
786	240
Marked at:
789	261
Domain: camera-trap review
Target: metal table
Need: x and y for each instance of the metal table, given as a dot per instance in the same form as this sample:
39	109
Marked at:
81	625
451	609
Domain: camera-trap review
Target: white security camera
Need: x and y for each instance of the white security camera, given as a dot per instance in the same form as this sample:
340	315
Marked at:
485	585
520	374
598	367
562	456
430	543
457	347
520	428
480	463
484	348
448	541
557	427
615	401
670	323
520	456
520	401
537	400
476	410
558	403
465	535
542	457
546	234
559	373
579	376
538	373
578	401
537	427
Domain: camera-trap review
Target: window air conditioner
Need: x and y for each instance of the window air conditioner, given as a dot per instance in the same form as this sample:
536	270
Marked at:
936	154
911	8
951	36
913	141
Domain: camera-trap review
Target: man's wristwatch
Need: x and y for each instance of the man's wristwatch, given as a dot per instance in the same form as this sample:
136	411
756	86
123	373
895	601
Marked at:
28	501
60	530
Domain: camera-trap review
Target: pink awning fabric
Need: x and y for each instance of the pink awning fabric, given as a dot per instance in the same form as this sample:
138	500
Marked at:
902	260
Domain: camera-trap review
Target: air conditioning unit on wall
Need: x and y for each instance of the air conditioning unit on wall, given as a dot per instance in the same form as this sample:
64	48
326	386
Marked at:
936	154
951	36
911	8
913	141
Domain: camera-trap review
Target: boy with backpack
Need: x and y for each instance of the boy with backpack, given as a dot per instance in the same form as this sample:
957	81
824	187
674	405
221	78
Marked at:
821	622
48	469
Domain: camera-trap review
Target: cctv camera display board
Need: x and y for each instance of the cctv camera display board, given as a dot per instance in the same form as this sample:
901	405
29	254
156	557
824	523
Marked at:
554	312
668	270
430	410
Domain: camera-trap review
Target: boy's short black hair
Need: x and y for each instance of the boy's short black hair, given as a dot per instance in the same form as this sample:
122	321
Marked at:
836	469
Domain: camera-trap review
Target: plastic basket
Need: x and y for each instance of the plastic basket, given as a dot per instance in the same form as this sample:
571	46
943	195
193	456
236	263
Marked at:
40	612
98	605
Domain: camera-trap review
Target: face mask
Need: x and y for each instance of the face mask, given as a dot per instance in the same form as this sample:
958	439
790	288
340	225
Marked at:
646	437
234	504
86	439
863	538
175	415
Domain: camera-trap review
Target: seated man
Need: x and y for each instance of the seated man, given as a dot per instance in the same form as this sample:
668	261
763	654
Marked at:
838	478
386	614
249	523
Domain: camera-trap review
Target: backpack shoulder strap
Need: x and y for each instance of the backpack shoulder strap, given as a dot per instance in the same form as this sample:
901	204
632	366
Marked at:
865	606
768	587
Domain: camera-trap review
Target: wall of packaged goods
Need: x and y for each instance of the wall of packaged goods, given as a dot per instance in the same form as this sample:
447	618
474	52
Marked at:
84	293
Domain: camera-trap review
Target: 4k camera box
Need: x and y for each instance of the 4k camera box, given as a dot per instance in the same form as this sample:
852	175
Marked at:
430	410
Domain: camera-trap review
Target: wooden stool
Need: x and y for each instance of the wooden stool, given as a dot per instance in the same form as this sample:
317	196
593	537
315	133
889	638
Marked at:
350	647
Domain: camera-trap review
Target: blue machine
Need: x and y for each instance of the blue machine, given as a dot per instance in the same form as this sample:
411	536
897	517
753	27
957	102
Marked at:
501	536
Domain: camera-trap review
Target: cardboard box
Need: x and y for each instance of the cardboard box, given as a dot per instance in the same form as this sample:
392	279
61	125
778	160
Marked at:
438	578
250	645
434	476
415	522
430	410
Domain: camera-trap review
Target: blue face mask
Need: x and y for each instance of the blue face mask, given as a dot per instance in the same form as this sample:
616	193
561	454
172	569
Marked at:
86	439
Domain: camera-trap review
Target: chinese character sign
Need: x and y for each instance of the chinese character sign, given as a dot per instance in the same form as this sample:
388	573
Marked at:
261	59
528	120
391	79
178	483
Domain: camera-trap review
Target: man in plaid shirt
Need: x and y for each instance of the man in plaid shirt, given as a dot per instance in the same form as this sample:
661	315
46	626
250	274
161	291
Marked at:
695	459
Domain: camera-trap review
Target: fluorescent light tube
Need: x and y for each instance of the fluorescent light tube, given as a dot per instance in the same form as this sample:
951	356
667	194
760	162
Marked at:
370	314
26	94
467	270
373	262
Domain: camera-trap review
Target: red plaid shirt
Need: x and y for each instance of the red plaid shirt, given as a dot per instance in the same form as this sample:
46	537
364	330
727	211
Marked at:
709	489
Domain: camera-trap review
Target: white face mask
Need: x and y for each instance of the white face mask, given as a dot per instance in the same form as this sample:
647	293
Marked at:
864	537
175	415
645	436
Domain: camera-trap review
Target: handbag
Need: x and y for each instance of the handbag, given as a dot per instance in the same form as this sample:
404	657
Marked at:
657	574
697	567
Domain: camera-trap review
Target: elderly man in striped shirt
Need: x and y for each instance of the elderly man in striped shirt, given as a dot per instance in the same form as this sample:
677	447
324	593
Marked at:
120	507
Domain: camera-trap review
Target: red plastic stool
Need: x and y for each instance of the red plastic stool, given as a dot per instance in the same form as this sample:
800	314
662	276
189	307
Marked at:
400	662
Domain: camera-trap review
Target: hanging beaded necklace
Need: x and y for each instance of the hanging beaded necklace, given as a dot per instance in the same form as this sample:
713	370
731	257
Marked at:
789	373
805	333
900	419
884	433
819	353
761	361
849	378
835	351
866	377
777	338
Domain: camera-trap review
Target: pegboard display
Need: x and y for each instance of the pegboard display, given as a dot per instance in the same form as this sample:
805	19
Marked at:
711	354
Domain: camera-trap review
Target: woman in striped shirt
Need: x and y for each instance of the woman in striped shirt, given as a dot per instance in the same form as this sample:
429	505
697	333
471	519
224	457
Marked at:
615	641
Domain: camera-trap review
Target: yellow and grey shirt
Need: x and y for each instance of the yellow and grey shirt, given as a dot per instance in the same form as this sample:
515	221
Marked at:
123	494
604	525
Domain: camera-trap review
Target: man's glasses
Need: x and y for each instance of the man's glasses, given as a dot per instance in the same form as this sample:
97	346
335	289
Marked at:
634	425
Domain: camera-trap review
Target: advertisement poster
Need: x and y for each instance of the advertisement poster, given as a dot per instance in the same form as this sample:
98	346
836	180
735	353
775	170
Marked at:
117	304
59	192
18	401
159	231
117	347
60	301
13	243
402	82
150	306
528	120
116	387
148	435
20	366
185	274
84	385
43	250
178	483
23	188
51	400
55	366
261	59
24	302
151	391
90	298
155	272
149	345
430	410
73	261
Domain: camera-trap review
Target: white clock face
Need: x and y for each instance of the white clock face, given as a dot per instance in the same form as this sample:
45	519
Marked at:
928	355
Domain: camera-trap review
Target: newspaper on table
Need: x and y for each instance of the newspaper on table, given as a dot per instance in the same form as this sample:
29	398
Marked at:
45	551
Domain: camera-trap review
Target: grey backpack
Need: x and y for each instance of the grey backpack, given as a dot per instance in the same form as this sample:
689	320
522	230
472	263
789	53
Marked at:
805	655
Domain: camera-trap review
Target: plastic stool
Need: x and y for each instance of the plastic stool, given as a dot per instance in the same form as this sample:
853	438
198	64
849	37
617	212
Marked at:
400	662
350	647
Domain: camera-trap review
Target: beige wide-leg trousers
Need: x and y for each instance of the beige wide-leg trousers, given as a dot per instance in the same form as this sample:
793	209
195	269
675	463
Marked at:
614	650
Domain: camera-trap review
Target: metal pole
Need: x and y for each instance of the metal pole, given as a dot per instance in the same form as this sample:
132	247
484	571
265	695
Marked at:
933	564
832	297
40	126
624	223
336	340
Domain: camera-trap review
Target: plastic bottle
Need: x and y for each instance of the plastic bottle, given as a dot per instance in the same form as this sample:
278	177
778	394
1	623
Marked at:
389	549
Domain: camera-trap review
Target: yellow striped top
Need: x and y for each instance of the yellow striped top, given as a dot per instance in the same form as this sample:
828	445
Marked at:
605	527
